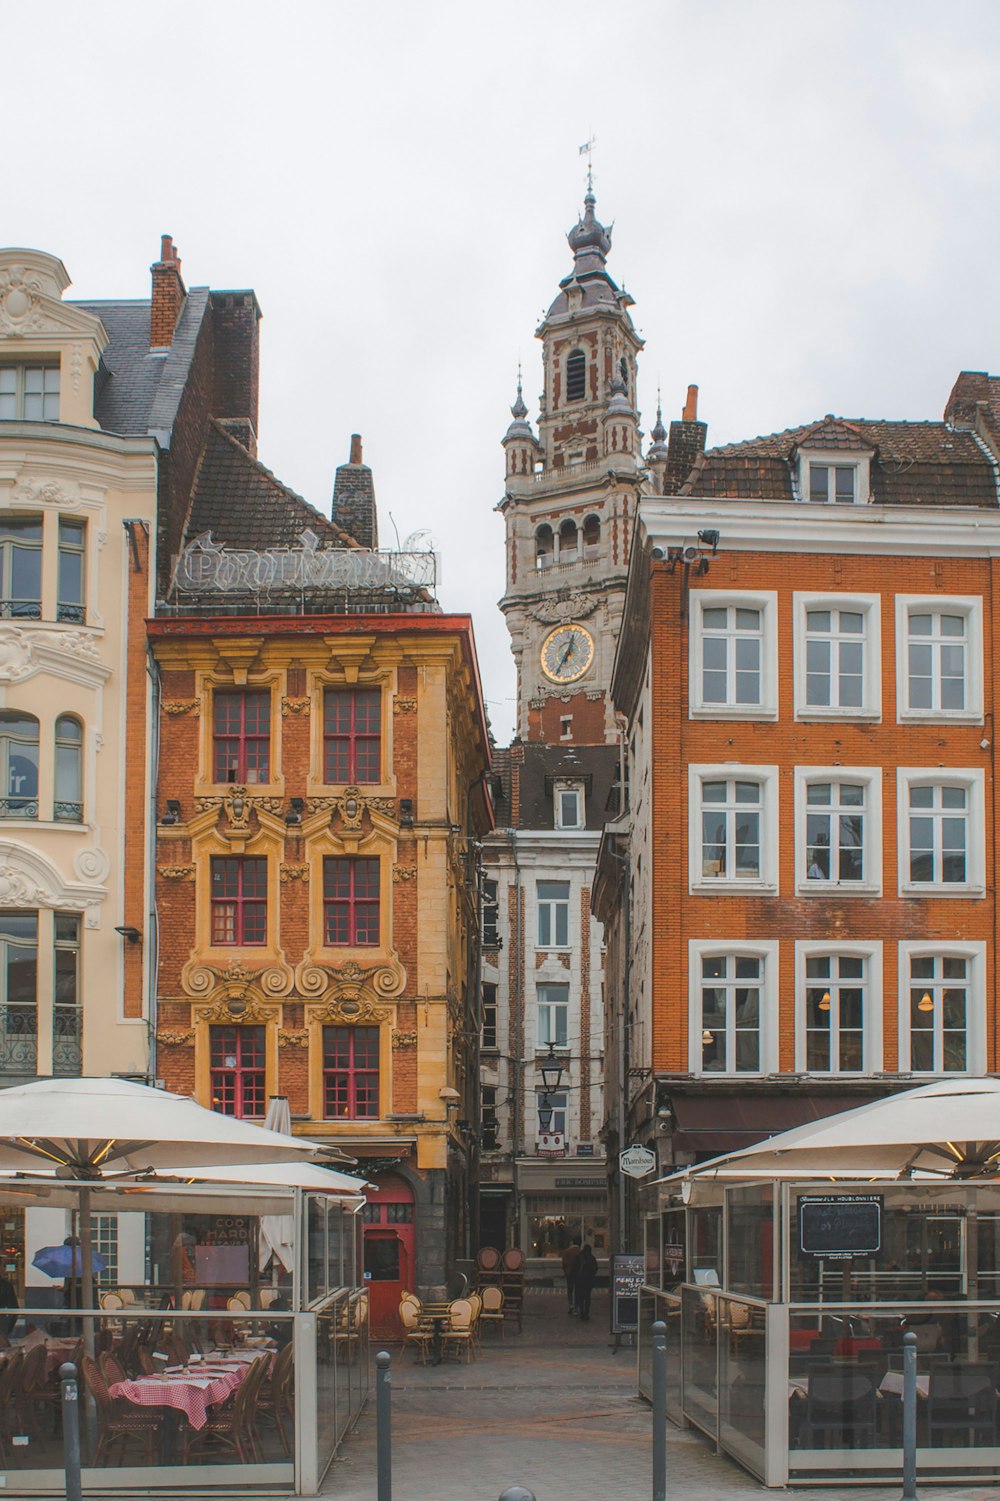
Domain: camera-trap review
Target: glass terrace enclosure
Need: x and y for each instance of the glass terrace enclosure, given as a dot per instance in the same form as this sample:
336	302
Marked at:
786	1303
208	1360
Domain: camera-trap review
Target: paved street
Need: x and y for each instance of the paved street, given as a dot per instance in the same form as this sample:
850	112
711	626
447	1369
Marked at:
552	1409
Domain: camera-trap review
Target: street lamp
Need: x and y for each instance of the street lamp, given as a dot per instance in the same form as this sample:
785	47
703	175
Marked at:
551	1071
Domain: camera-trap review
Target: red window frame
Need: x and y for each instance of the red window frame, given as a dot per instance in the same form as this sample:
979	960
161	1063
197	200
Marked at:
351	1073
352	736
352	897
239	901
241	737
237	1056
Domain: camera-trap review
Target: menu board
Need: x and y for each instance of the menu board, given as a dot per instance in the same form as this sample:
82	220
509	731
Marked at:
833	1226
628	1273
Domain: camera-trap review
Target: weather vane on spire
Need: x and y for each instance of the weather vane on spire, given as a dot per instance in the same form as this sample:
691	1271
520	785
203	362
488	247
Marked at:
587	149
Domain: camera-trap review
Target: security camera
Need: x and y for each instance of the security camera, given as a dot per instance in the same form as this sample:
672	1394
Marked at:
659	553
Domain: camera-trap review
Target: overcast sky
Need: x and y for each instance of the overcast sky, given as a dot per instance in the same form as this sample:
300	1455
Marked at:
805	200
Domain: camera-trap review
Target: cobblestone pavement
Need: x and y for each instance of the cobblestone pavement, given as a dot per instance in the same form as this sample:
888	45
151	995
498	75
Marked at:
552	1409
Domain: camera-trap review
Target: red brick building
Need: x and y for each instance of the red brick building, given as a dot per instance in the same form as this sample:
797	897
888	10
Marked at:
807	669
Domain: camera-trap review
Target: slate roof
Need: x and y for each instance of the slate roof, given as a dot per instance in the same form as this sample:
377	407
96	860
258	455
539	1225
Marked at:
138	389
242	504
526	774
912	463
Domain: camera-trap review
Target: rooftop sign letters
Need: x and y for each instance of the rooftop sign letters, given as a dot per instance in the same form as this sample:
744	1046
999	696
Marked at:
206	567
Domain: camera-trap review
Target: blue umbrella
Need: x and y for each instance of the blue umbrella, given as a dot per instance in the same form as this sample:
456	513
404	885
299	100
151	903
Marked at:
64	1261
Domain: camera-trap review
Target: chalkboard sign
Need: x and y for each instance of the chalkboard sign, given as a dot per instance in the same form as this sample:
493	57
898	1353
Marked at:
837	1227
628	1273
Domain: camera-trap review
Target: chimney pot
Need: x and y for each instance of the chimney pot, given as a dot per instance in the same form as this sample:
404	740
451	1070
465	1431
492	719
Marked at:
166	247
356	449
690	413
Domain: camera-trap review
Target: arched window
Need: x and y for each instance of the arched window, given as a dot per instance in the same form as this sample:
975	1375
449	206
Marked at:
623	367
18	765
576	375
68	805
544	547
592	537
567	542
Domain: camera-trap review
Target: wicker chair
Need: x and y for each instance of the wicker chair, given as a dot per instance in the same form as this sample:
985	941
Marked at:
458	1334
232	1425
274	1398
417	1333
491	1314
117	1422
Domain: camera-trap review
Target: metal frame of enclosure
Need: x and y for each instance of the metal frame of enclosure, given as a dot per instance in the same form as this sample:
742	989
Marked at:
761	1335
321	1312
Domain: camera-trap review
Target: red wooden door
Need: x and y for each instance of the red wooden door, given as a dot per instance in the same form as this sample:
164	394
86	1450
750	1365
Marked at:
389	1260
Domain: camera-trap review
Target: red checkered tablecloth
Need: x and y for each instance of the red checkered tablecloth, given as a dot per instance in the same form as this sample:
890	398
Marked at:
191	1394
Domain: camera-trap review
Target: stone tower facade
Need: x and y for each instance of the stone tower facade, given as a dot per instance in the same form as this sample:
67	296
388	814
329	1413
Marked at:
570	500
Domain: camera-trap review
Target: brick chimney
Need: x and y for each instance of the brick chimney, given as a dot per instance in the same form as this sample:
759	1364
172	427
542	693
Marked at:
354	498
685	444
168	295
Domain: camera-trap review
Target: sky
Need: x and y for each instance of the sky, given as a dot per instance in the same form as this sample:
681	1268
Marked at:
804	198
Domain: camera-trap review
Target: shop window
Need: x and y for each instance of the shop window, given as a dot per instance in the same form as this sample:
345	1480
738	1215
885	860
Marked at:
351	902
350	1073
18	994
241	737
238	1074
239	900
18	765
68	804
352	736
67	1014
21	568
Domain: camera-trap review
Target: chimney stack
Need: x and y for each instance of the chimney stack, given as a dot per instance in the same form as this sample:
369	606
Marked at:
690	413
354	498
169	293
685	444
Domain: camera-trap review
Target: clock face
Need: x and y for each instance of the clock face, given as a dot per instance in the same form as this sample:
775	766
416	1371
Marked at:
567	652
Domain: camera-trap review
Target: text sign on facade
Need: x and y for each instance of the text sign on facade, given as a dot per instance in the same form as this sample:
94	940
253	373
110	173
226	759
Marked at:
636	1161
205	567
839	1227
628	1273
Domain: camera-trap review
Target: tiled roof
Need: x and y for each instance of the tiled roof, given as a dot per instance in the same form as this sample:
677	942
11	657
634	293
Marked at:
913	463
138	388
242	504
531	804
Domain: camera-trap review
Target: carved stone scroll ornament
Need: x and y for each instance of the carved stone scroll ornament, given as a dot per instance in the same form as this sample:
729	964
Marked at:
293	1037
175	1039
175	872
404	873
295	873
404	706
294	706
350	981
351	1011
404	1040
248	1011
555	611
234	980
175	706
20	310
47	492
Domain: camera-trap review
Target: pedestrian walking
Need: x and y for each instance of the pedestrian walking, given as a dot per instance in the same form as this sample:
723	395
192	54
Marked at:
585	1277
569	1260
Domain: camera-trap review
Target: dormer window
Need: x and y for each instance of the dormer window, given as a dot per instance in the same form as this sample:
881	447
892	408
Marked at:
569	805
833	482
576	375
29	393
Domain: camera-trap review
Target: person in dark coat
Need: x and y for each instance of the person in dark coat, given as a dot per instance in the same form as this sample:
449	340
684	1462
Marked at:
8	1299
586	1276
569	1259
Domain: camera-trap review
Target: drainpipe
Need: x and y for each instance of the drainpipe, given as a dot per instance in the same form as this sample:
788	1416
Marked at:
516	1053
153	922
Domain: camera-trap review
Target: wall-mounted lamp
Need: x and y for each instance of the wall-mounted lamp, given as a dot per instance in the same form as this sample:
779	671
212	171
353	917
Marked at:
173	813
131	934
824	1004
544	1114
406	813
551	1071
296	808
925	1002
451	1097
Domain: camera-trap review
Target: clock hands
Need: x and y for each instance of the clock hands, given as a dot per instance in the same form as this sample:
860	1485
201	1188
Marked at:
568	652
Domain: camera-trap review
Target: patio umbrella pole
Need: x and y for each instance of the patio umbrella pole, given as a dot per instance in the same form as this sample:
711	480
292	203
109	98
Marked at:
87	1301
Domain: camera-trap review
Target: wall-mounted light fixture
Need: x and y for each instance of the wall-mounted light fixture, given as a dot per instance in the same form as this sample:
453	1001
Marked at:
173	813
132	935
551	1071
406	813
296	808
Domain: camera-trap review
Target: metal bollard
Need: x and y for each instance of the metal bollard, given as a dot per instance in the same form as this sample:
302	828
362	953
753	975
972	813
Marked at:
909	1416
517	1493
71	1430
659	1411
383	1425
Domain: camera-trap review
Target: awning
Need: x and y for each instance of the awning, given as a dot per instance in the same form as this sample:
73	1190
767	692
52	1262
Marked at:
712	1124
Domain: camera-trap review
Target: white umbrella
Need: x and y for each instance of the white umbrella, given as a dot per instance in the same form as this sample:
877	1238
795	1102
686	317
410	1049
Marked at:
277	1232
950	1128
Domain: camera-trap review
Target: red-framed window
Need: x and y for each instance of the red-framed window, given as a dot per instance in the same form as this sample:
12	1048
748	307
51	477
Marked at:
350	901
350	1073
241	737
352	735
237	1063
239	900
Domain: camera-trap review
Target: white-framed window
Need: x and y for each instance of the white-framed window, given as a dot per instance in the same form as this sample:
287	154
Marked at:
942	1008
837	642
838	830
834	477
838	1007
553	1015
733	827
29	393
568	798
553	914
939	657
942	831
733	1007
556	1101
734	658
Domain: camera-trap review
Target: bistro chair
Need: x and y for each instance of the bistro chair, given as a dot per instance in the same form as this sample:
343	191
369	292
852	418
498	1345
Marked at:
232	1425
840	1411
416	1332
477	1308
117	1422
459	1330
110	1368
274	1396
491	1314
962	1404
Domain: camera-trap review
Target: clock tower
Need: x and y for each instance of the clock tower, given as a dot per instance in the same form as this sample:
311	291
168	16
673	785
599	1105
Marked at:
569	503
